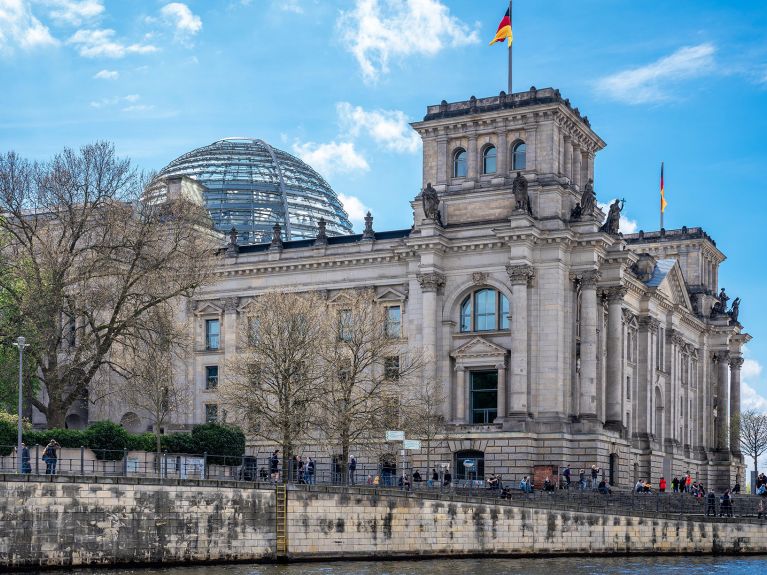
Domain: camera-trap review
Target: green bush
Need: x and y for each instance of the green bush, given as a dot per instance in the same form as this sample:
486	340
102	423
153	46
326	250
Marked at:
218	439
73	438
143	442
8	432
107	440
178	443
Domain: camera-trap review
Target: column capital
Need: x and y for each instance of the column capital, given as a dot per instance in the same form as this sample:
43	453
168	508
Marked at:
736	362
649	323
520	274
230	304
591	278
720	356
614	294
431	282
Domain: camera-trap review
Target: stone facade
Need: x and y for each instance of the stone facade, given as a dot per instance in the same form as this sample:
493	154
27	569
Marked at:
556	342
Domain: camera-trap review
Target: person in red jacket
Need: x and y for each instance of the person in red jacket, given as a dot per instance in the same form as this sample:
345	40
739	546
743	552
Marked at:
662	485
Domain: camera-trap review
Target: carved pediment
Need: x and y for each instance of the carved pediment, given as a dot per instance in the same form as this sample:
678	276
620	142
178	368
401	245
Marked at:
675	289
479	348
208	308
391	294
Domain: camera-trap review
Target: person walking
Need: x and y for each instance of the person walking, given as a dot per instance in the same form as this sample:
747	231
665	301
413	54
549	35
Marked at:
26	466
352	470
567	476
274	466
711	504
310	468
594	477
50	457
662	485
582	479
675	485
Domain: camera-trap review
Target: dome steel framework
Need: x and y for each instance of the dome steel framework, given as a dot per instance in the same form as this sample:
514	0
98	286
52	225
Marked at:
251	185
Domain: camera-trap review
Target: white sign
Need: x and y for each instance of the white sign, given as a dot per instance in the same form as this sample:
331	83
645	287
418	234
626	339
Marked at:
411	444
395	436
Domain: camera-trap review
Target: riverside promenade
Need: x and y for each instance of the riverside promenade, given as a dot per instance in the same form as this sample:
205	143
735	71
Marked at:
59	521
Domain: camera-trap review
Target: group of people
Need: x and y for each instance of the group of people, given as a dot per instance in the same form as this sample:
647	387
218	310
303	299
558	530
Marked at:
300	470
50	458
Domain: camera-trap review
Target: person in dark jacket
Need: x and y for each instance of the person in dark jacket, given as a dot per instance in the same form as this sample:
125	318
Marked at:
675	485
51	457
711	504
310	468
274	465
26	466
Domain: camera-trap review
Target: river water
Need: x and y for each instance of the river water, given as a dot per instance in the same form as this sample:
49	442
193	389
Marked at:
543	566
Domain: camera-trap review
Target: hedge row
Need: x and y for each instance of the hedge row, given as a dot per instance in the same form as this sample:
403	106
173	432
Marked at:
108	440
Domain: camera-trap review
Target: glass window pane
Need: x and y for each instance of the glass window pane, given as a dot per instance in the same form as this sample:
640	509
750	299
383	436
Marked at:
484	396
212	333
393	321
466	315
519	157
211	413
504	319
485	314
345	325
211	377
460	164
489	160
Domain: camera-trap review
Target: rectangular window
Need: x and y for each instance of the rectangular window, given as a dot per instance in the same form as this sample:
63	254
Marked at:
393	322
485	303
345	325
211	413
212	334
391	368
628	387
253	327
484	396
211	377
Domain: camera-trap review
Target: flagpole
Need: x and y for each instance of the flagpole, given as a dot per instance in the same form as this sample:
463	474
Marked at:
511	47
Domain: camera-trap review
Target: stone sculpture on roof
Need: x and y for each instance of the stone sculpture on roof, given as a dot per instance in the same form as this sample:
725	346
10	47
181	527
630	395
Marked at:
430	201
612	224
521	195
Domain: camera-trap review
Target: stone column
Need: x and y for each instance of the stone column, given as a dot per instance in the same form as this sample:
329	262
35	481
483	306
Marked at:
459	395
590	171
614	383
577	161
588	399
431	284
520	276
443	161
473	159
502	152
568	163
736	363
722	429
502	403
229	329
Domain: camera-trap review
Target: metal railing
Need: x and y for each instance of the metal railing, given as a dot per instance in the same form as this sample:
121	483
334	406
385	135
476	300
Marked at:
373	478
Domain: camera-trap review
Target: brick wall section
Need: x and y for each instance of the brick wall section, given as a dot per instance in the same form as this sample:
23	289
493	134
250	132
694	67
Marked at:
73	521
335	525
68	522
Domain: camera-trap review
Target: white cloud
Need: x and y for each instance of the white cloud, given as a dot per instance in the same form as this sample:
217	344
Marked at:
107	75
138	108
387	127
102	44
751	374
20	28
354	207
73	12
186	23
115	101
375	31
627	226
332	157
293	6
651	83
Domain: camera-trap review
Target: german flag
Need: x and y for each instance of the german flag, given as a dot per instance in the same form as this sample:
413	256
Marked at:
504	30
663	202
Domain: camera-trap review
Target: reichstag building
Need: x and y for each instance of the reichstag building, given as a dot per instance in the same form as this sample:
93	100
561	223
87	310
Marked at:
558	339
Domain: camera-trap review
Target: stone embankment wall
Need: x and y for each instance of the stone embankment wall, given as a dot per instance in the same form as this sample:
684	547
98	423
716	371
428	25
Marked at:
65	521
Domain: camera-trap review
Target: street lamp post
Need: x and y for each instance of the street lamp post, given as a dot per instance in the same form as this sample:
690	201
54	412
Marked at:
21	343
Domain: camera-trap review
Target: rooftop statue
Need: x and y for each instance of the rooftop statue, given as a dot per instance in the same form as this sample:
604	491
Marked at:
588	199
430	201
735	311
612	224
521	196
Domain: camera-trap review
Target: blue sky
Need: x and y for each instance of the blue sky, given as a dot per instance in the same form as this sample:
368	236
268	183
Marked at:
337	81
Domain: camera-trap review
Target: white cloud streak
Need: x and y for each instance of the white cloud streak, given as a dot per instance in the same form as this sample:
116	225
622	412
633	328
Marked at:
354	207
390	128
375	31
73	12
652	83
185	22
332	157
107	75
102	44
20	29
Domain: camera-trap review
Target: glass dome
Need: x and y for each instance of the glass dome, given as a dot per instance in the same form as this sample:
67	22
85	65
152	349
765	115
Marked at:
251	185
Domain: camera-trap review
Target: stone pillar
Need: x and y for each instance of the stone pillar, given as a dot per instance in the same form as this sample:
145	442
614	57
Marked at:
459	396
502	403
568	163
502	154
577	161
520	276
473	172
229	329
443	161
431	284
723	420
588	398
590	164
614	382
736	363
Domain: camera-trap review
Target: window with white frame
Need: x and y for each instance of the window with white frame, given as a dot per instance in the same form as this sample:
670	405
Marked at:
393	321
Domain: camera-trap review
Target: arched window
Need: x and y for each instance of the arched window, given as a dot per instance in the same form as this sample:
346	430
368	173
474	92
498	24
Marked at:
485	310
469	465
519	156
489	160
460	164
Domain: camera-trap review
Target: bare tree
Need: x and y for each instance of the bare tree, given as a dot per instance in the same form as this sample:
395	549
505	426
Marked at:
151	359
365	370
424	414
272	386
85	260
753	434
